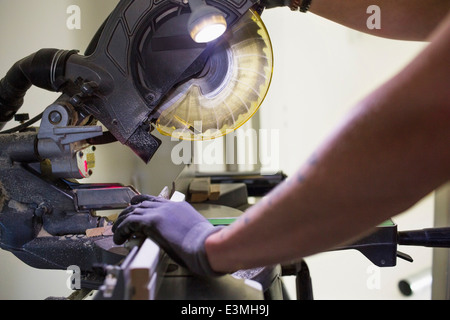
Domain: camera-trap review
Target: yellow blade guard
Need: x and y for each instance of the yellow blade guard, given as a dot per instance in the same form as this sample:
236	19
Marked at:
228	92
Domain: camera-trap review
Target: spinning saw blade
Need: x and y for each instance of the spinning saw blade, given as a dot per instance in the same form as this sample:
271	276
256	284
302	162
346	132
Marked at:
228	91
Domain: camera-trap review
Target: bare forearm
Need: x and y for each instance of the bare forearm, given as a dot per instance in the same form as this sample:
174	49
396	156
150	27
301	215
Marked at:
400	19
392	151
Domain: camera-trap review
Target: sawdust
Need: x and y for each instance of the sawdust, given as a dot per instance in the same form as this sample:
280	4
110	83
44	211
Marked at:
19	207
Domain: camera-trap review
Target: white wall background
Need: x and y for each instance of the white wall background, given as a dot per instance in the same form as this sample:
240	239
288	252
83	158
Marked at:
321	71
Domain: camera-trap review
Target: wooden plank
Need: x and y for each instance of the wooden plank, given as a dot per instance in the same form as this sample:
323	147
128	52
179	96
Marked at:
199	189
214	193
143	269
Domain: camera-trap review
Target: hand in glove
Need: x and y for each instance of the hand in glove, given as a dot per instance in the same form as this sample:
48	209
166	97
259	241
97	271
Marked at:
176	226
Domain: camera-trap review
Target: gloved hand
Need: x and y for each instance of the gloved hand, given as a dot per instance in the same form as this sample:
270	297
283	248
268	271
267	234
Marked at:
176	226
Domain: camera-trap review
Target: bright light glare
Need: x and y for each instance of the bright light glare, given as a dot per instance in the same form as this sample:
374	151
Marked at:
209	29
210	33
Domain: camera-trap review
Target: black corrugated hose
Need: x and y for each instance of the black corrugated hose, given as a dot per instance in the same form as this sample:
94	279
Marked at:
44	69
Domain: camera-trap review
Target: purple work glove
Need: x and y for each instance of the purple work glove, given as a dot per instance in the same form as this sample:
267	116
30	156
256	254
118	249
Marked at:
176	226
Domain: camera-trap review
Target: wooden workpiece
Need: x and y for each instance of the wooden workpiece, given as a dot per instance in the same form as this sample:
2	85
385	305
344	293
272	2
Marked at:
201	190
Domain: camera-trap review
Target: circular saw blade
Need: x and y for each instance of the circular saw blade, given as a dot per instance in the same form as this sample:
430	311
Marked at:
229	90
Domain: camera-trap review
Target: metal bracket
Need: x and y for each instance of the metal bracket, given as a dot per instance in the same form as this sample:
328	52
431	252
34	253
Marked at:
65	145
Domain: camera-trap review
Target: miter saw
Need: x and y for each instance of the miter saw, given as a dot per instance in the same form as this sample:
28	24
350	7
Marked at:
144	70
149	67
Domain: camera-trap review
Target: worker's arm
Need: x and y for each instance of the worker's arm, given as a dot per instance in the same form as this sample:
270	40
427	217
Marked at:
400	19
392	151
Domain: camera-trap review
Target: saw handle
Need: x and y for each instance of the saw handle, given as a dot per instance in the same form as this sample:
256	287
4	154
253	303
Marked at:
430	237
